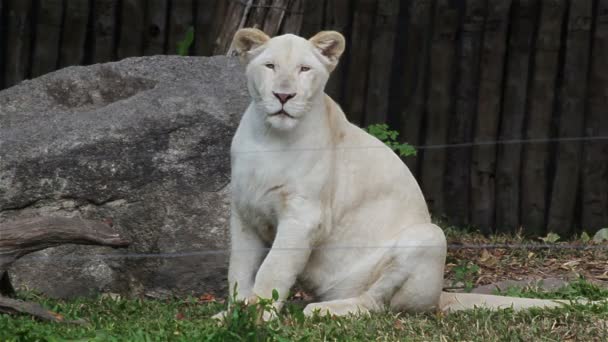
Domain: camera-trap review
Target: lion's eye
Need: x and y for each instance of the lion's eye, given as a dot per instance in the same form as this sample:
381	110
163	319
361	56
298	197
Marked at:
304	68
269	66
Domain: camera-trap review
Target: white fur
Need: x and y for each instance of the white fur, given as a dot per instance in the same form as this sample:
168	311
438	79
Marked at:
339	209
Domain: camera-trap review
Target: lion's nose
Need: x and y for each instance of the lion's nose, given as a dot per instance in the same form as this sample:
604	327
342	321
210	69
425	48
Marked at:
283	97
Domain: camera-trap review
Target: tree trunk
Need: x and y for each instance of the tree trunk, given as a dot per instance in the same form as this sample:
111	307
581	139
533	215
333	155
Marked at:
156	27
104	27
413	82
439	102
203	32
483	166
381	62
18	41
132	28
535	159
181	19
48	31
572	107
24	236
457	180
74	33
337	17
595	157
508	164
358	64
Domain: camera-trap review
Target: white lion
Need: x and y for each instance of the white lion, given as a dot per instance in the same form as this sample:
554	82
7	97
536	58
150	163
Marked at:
339	210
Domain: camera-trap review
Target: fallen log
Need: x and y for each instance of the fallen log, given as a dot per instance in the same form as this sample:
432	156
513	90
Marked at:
23	236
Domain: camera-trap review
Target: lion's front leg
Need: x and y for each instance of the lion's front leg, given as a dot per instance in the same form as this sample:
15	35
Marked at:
289	253
246	254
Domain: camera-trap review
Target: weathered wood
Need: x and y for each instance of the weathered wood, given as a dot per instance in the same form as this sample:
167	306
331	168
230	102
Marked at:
413	85
257	14
132	29
457	180
18	41
358	62
523	25
595	157
439	102
312	22
230	24
2	39
181	19
294	17
203	30
535	159
104	30
24	236
338	18
381	62
74	33
572	103
483	166
275	16
48	31
156	27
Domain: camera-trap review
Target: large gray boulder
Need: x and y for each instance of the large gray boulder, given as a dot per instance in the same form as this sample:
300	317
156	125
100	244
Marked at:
144	142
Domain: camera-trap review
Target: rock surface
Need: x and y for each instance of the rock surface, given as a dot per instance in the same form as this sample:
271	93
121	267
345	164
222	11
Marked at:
144	142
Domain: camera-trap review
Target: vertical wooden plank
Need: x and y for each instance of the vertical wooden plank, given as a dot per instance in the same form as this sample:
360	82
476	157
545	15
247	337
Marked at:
595	157
203	27
338	15
104	47
18	41
508	165
359	58
257	14
181	18
275	16
571	103
457	180
417	32
535	159
294	18
48	32
381	62
2	41
313	18
229	25
74	33
156	27
483	166
132	28
439	102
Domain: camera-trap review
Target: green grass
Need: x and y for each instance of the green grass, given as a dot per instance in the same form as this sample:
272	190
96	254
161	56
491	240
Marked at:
189	320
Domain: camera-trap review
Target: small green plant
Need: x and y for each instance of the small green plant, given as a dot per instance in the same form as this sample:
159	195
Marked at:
389	137
183	46
465	273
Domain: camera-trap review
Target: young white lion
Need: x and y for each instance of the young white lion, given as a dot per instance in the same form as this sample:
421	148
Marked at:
340	211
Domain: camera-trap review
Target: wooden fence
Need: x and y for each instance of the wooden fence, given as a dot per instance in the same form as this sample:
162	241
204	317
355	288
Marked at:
442	72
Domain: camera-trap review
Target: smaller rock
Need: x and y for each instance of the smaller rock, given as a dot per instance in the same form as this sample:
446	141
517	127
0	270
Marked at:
549	284
601	235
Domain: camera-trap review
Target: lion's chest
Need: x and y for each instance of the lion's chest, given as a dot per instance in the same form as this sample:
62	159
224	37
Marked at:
261	189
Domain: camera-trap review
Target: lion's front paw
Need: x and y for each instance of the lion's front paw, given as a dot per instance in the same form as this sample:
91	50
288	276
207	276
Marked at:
335	308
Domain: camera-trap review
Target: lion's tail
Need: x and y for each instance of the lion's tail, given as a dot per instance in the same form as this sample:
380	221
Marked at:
450	302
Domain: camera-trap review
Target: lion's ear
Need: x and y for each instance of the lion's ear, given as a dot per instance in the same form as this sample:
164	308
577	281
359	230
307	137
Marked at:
331	45
246	40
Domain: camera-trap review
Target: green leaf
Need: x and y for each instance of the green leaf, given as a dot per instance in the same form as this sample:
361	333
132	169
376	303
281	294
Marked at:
585	237
184	45
550	238
275	294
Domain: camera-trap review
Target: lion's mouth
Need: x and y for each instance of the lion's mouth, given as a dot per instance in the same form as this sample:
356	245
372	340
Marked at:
282	112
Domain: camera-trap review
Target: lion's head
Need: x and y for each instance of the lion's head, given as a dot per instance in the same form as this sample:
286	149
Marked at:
287	74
